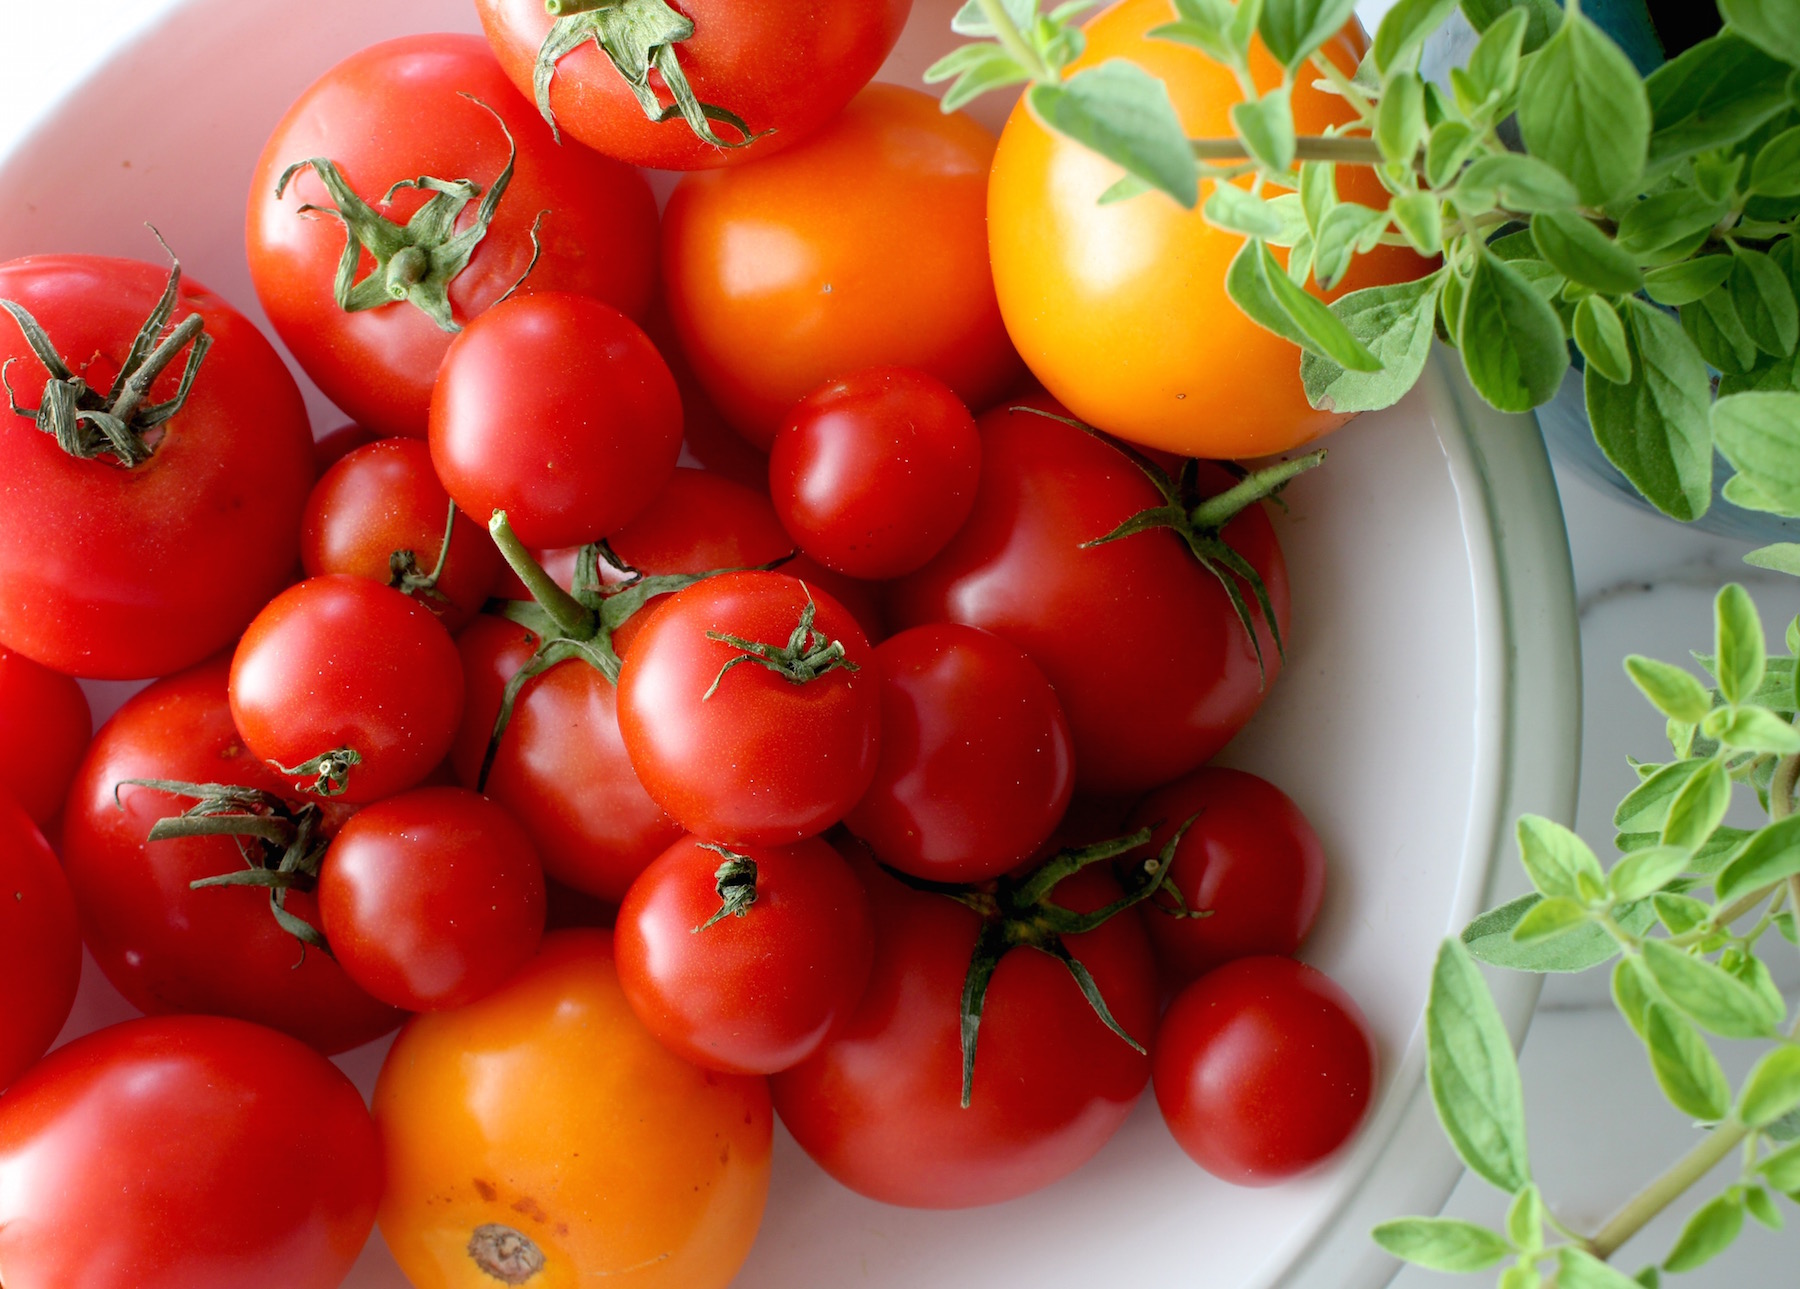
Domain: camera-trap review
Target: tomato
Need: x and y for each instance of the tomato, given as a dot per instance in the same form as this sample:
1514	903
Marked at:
864	246
334	445
785	67
750	709
382	500
542	1136
347	687
40	944
44	729
1148	657
976	764
1249	869
744	958
427	105
185	1152
1120	309
164	946
432	898
121	573
558	410
1263	1069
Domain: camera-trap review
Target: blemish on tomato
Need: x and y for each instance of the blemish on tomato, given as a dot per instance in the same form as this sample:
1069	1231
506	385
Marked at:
486	1190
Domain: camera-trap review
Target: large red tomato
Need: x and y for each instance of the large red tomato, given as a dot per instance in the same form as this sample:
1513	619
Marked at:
44	728
40	945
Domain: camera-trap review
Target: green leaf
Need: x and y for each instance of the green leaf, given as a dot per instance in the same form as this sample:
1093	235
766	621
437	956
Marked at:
1632	994
1759	433
1340	232
1739	654
1783	1169
1553	917
1710	1231
1781	557
1544	16
1753	729
1266	127
1419	216
1525	1219
1583	109
1764	301
1776	172
1685	1067
1237	211
1264	292
1673	691
1665	220
1123	113
1646	807
1755	975
1489	938
1442	1243
1699	807
1517	1277
1679	913
1711	96
1716	175
1655	428
1580	251
1772	1089
1293	29
1688	281
1473	1074
1758	1204
1601	337
1579	1269
1712	997
1644	872
1555	858
1404	28
1205	25
1510	338
1771	855
1492	72
976	69
1449	146
1518	181
1717	330
972	20
1400	119
1768	24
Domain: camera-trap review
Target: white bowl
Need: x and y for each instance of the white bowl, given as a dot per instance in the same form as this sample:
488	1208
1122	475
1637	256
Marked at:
1432	694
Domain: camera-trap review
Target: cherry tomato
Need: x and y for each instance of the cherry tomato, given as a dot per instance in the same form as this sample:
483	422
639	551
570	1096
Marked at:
122	573
742	959
864	246
976	765
785	67
185	1152
381	500
1249	870
435	105
342	669
40	944
430	899
44	729
1263	1069
558	410
334	445
1120	309
765	737
543	1132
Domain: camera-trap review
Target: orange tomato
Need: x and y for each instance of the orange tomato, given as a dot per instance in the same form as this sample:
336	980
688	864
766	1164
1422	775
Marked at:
864	246
542	1137
1121	310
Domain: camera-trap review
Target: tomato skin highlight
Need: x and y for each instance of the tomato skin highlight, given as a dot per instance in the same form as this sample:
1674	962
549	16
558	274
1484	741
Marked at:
185	1152
40	943
45	725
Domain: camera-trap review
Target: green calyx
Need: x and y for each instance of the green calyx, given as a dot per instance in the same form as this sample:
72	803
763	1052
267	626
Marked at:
735	881
405	576
806	656
636	36
329	771
415	262
87	424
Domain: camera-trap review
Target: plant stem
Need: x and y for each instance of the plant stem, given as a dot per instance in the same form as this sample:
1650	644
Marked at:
1009	36
1215	511
1781	787
1308	147
1342	84
569	613
1662	1192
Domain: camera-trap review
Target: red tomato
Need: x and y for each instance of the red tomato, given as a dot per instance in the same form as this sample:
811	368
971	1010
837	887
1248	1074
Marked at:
334	445
746	748
396	111
164	946
976	767
381	500
785	67
432	898
1249	866
865	246
44	729
343	669
744	959
1263	1069
558	410
1149	659
185	1152
124	573
40	944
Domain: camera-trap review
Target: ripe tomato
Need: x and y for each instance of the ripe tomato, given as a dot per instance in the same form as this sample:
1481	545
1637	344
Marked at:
976	763
334	445
785	67
347	688
864	246
543	1131
1263	1069
185	1152
389	114
40	944
44	729
744	959
197	537
750	709
1120	310
430	899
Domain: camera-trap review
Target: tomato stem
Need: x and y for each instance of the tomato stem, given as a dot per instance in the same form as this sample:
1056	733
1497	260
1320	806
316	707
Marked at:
805	657
735	882
1007	32
575	619
403	567
330	771
1215	512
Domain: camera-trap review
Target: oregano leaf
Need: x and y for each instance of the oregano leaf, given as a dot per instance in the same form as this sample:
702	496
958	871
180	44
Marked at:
1772	1088
1510	338
1579	1269
1656	428
1473	1073
1768	24
1601	338
1706	993
1404	28
1583	108
1293	29
1708	1233
1739	653
1673	691
1259	286
1442	1243
1759	434
1685	1067
1123	113
1771	855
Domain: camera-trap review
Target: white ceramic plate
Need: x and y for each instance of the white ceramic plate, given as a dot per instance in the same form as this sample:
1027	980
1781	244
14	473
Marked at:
1432	693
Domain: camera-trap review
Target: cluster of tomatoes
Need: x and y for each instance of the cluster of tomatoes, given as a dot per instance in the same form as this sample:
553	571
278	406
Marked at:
861	782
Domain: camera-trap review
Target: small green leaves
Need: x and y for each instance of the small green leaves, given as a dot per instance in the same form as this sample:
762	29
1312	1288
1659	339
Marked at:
1772	1089
1764	301
1511	340
975	69
1688	281
1579	1269
1644	872
1525	1219
1265	293
1266	126
1400	118
1771	855
1492	72
1783	1169
1601	338
1442	1243
1544	15
1674	692
1646	807
1655	427
1212	26
1776	172
1769	24
1556	859
1583	109
1708	1233
1293	29
1759	433
1578	250
1685	1067
1237	211
1404	28
1516	181
1420	218
1550	918
1473	1074
1738	649
1699	807
1709	995
1711	96
1489	939
1123	113
1395	324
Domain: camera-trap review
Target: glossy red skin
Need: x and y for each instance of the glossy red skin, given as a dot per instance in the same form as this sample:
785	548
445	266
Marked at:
392	112
751	994
188	1152
1263	1069
334	445
878	1107
1151	664
764	760
166	947
873	473
195	540
1250	860
558	410
337	662
432	898
40	943
44	728
786	66
381	498
976	764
